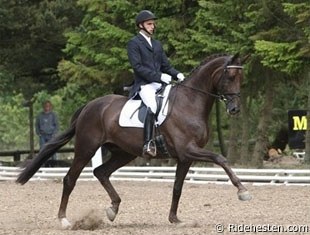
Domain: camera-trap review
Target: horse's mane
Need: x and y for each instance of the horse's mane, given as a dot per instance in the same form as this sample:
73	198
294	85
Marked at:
207	60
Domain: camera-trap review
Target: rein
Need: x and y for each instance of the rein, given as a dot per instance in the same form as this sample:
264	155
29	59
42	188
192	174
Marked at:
201	91
218	96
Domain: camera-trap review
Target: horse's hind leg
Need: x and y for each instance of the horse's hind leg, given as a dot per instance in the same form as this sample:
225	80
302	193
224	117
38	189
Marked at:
81	158
118	159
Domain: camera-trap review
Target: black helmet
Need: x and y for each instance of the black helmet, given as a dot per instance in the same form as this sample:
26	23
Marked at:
144	15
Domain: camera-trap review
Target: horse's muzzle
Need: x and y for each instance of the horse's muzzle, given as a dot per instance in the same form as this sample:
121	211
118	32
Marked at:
233	105
233	110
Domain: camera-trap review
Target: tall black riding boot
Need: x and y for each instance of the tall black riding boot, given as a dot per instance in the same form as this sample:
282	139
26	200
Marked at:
149	147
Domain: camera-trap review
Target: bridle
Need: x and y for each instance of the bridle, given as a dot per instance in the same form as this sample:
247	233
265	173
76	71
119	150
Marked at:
221	97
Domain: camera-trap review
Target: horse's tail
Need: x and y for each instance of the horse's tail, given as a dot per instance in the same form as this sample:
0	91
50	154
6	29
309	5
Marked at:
48	150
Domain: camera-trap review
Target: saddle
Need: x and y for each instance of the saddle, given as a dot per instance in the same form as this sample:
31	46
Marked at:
159	101
134	111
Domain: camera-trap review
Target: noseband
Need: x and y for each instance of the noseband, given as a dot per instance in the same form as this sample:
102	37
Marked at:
222	97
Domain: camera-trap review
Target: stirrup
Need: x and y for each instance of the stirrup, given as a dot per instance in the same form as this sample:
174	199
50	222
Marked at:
149	149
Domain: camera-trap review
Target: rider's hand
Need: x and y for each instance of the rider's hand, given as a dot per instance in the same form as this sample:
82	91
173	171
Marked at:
180	77
166	78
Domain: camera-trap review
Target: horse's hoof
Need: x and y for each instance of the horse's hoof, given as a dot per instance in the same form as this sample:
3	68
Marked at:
65	224
244	196
174	220
110	214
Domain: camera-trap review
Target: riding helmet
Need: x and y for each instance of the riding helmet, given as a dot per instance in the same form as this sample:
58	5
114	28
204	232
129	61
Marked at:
144	15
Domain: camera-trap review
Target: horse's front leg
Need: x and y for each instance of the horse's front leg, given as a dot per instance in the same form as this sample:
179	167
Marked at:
181	171
243	193
198	154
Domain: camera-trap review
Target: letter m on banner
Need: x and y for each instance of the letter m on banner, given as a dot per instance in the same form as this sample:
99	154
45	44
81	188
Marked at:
297	126
300	123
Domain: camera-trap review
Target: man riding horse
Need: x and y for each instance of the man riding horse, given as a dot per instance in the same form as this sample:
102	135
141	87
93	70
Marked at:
151	70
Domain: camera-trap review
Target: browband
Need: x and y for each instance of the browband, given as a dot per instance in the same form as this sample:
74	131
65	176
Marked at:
234	67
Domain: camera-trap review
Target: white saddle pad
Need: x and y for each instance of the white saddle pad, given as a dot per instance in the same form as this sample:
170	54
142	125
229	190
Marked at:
129	113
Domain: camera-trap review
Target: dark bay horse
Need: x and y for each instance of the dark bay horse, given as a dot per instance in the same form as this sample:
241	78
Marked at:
185	131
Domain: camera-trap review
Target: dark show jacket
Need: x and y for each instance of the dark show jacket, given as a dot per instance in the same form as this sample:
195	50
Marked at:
148	62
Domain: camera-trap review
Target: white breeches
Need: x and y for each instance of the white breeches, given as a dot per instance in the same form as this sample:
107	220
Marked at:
147	94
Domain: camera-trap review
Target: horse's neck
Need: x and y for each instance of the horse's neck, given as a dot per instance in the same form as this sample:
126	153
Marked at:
203	90
196	98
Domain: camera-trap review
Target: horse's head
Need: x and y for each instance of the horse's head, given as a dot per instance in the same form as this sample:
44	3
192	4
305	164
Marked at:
227	83
220	77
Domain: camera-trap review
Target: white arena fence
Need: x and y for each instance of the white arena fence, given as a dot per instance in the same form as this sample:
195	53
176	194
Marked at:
167	174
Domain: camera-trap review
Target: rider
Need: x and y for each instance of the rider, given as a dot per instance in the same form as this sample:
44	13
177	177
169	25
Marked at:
151	69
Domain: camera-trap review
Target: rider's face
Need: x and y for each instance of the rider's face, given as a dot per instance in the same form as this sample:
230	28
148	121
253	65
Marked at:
149	26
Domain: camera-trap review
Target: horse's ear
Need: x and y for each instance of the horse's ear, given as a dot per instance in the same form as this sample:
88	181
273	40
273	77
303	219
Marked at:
245	58
234	58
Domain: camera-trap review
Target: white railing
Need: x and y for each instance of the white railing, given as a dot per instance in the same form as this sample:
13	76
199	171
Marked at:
195	175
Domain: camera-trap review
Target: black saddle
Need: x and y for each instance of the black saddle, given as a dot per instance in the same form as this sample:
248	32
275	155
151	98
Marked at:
142	108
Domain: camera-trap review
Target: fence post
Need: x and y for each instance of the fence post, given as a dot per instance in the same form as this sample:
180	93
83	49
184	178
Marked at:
16	157
29	104
31	133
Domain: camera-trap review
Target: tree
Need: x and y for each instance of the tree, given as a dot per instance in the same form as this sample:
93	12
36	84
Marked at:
31	42
14	123
281	45
218	27
300	13
96	50
93	57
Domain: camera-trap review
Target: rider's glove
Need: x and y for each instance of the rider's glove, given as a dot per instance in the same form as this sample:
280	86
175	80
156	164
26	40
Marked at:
166	78
180	77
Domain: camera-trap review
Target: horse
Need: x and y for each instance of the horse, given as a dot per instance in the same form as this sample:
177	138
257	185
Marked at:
185	131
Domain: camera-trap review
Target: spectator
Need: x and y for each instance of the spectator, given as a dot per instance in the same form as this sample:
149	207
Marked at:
46	124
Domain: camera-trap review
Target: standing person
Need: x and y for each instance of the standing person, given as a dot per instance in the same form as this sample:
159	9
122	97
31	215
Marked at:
151	70
46	124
